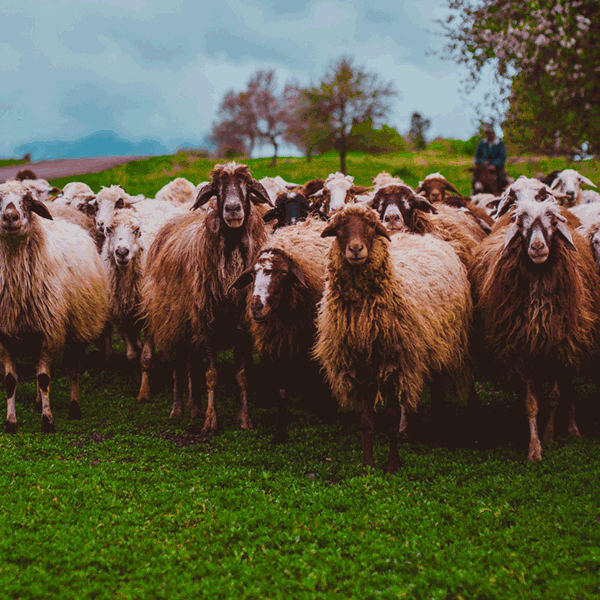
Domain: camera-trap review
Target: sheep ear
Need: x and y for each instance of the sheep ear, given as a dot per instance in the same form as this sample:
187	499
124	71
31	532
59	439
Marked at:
120	203
243	280
563	230
450	187
505	203
421	188
204	195
259	194
270	215
512	233
295	270
586	181
39	208
382	231
422	204
330	230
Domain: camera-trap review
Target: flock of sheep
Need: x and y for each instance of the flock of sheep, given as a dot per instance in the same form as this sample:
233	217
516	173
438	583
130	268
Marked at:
388	288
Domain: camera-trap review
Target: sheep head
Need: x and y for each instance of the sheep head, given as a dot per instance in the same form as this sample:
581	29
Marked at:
568	183
524	188
123	238
271	273
396	204
107	201
337	191
290	208
355	228
434	187
16	205
234	188
538	225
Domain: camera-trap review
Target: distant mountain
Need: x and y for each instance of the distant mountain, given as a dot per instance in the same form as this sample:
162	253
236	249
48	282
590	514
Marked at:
101	143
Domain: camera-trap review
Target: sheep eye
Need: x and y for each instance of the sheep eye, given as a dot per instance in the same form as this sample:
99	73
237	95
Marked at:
136	231
109	229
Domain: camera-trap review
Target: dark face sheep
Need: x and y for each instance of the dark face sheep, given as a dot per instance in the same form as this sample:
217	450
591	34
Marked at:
234	188
396	204
355	231
434	187
538	224
16	206
290	208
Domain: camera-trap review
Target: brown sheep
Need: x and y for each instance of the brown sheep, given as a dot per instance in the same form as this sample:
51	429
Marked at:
190	267
287	283
434	187
537	302
53	295
391	316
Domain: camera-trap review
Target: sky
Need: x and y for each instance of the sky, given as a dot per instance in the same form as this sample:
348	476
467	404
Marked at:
159	68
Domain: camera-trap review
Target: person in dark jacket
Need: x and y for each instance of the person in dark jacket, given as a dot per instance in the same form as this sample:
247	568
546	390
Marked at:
492	153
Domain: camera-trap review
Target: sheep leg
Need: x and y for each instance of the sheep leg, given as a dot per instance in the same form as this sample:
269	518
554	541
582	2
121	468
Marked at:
367	394
403	426
210	419
568	388
146	365
531	407
43	380
194	383
242	352
73	361
179	377
393	417
10	383
554	398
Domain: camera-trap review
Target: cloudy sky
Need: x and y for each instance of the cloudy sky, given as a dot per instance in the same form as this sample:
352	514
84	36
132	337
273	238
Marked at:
159	68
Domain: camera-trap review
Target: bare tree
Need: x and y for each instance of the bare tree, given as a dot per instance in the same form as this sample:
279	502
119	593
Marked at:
347	96
256	115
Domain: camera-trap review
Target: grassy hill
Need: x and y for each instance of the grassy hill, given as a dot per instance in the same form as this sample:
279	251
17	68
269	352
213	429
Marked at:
130	504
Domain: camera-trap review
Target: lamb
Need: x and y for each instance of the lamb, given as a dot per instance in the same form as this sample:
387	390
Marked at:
537	300
179	192
391	317
287	282
338	190
400	208
190	267
107	201
53	295
568	182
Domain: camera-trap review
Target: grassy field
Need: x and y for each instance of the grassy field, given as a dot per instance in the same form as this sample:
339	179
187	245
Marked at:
130	504
148	176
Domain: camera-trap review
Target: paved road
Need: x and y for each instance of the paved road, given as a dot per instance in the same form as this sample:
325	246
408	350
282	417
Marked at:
52	169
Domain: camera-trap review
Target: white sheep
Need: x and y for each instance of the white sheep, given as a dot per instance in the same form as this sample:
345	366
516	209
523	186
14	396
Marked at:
568	182
179	192
53	295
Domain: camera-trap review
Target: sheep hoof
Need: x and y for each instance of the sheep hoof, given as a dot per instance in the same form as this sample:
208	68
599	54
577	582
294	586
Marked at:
10	427
47	425
75	411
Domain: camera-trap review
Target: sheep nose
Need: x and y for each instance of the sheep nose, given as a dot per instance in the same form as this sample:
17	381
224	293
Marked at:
570	193
10	217
122	252
233	207
356	248
537	244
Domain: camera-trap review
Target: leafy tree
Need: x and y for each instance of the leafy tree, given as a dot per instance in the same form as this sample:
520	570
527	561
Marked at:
347	96
418	130
546	63
376	141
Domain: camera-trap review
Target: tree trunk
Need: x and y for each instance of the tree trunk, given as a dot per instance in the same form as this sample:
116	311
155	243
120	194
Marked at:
274	159
343	159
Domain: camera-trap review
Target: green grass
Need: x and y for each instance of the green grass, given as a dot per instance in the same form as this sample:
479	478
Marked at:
9	162
148	176
130	504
